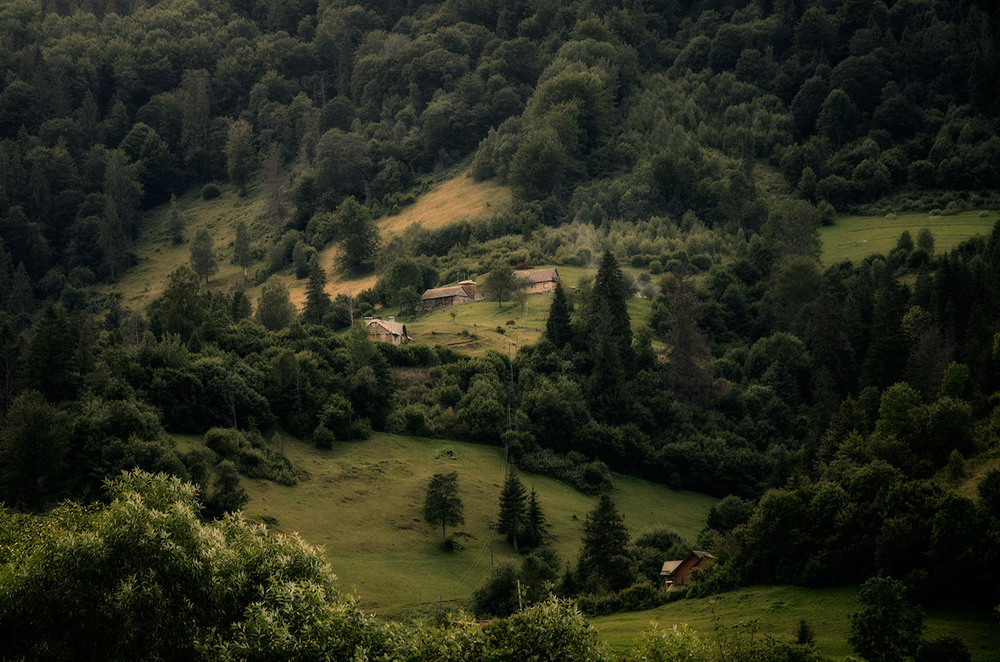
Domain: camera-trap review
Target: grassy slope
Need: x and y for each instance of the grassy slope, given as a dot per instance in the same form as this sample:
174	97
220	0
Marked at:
362	502
779	609
455	199
856	237
474	327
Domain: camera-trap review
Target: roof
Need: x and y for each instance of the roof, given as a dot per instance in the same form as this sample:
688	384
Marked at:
670	566
442	292
395	328
538	275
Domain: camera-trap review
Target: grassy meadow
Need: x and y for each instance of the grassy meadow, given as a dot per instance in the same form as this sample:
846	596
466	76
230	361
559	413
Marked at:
454	199
778	610
362	503
856	237
473	329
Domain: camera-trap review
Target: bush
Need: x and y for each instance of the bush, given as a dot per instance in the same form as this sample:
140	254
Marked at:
323	438
210	192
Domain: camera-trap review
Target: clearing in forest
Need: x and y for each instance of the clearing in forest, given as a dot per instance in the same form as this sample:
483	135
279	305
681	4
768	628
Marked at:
362	502
856	237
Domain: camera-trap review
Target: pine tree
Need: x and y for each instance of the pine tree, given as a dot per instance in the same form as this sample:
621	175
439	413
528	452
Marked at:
604	561
203	254
239	153
610	287
176	222
242	255
317	300
240	308
535	527
275	207
511	518
557	328
21	299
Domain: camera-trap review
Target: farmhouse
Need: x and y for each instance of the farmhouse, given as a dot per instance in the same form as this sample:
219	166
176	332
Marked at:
386	330
450	295
677	573
538	281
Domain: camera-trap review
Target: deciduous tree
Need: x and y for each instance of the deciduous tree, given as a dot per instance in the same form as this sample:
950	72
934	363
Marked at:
203	255
442	504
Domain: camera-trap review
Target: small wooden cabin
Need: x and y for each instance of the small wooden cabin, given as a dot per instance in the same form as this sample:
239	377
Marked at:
538	281
450	295
386	330
677	573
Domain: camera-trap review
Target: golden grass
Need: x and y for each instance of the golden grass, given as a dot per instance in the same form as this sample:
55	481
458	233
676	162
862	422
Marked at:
457	199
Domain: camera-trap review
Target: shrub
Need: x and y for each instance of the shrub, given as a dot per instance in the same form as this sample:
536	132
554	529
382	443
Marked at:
210	192
323	438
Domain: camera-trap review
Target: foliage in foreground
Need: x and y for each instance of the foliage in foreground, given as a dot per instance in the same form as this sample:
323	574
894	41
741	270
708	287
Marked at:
143	577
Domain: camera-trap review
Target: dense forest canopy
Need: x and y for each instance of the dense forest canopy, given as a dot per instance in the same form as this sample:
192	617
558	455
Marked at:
687	151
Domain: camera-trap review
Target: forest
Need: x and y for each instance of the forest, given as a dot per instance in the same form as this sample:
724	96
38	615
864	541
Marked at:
845	414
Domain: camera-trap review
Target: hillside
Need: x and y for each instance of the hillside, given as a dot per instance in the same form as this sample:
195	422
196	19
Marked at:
362	502
777	611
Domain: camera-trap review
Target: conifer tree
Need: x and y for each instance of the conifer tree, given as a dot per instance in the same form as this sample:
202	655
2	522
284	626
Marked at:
511	518
317	300
176	223
604	562
241	308
239	154
610	287
203	255
275	207
242	256
557	327
535	527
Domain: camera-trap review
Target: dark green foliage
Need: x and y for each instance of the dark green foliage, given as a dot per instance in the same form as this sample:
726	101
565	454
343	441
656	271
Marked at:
33	452
274	308
512	512
948	648
501	283
210	192
604	563
203	255
498	596
359	237
888	626
557	326
442	504
317	300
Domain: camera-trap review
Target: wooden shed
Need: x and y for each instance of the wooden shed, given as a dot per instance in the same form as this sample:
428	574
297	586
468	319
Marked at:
450	295
677	573
538	281
387	330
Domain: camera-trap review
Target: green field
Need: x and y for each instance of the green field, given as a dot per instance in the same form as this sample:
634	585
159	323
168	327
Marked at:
856	237
473	330
779	609
362	502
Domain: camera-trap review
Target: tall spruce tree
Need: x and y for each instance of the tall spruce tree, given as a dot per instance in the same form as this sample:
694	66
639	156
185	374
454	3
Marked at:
317	300
511	518
557	327
535	527
611	288
242	255
176	222
604	563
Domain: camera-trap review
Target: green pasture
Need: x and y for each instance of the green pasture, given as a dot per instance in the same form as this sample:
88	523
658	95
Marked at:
473	328
856	237
778	610
362	503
